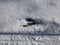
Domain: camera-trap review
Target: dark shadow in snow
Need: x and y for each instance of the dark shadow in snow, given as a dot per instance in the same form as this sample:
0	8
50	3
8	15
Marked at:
35	22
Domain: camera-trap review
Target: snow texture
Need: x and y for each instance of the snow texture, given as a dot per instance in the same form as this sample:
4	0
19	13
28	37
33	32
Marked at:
35	17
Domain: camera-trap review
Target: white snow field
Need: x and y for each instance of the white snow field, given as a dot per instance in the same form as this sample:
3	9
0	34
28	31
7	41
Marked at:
13	14
38	19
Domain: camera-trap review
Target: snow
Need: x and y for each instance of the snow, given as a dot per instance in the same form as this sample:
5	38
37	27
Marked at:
44	13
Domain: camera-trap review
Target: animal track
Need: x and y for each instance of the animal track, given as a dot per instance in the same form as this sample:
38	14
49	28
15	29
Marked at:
41	21
35	22
29	22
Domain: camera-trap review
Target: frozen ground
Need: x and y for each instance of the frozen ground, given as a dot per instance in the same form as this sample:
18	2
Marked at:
31	17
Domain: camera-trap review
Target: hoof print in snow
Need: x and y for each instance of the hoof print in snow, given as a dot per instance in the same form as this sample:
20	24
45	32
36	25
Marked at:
37	21
31	21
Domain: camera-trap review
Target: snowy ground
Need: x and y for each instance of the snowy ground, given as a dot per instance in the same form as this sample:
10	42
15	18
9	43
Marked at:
29	40
31	17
